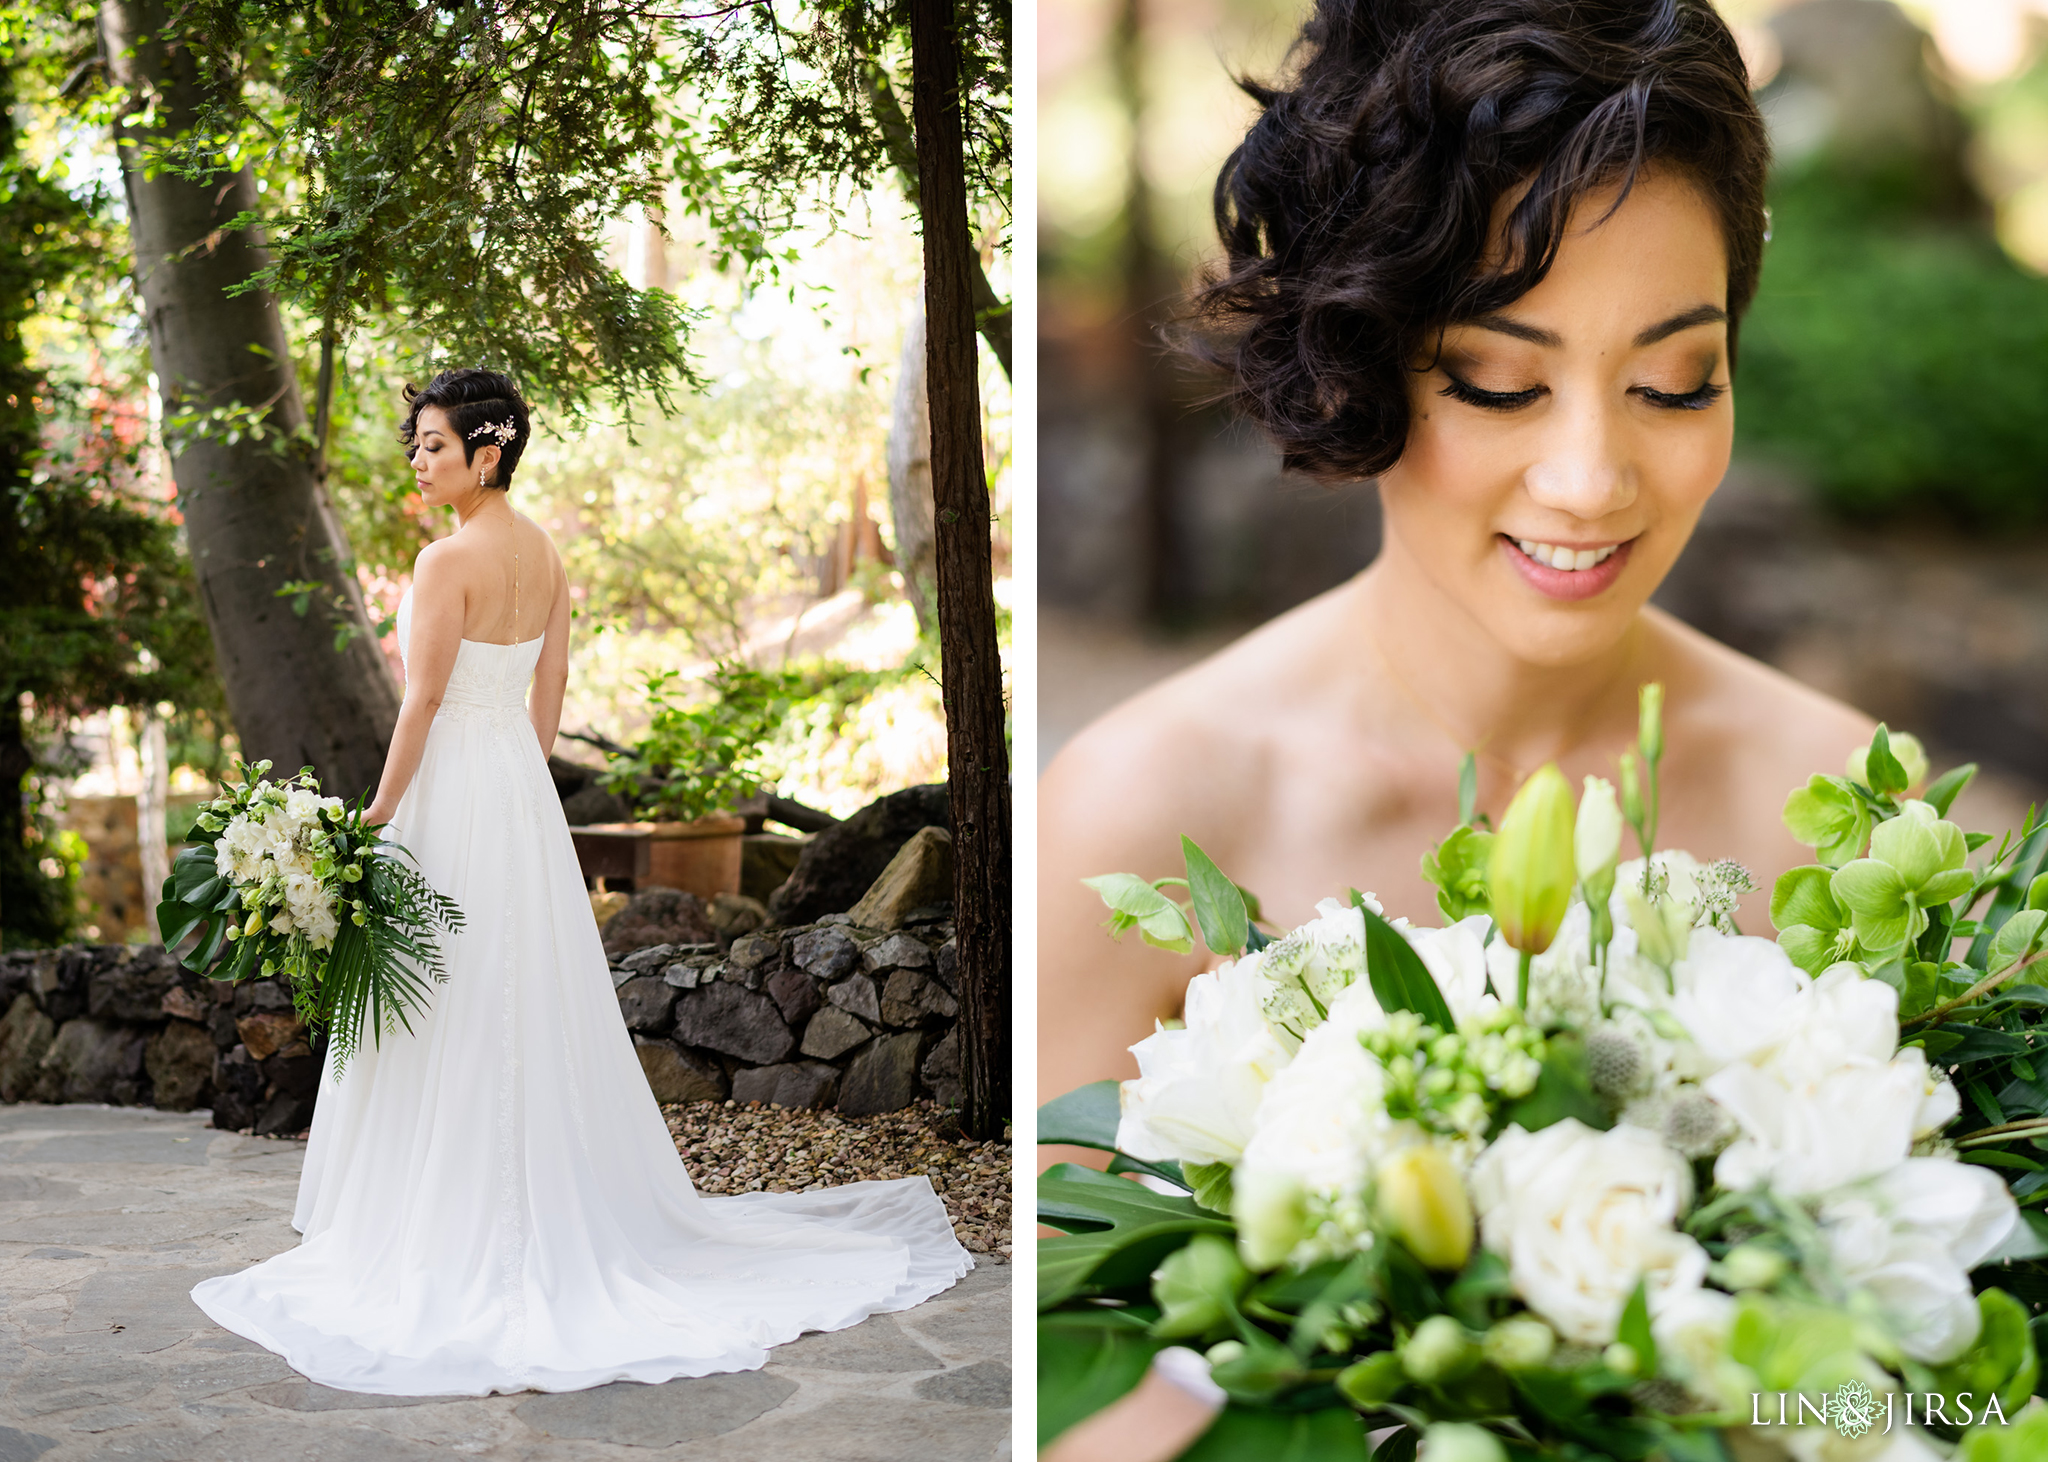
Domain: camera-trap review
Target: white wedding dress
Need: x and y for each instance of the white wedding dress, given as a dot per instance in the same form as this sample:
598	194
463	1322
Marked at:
493	1202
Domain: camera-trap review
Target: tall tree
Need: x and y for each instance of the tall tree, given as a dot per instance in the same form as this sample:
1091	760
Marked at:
977	752
304	689
96	608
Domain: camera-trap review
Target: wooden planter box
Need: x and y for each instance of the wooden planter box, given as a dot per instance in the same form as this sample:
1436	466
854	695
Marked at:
701	857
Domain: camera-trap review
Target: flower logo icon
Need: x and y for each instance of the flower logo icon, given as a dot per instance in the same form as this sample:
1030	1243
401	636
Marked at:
1852	1409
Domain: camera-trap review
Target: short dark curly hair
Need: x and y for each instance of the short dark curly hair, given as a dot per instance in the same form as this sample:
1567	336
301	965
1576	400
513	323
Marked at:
473	399
1357	214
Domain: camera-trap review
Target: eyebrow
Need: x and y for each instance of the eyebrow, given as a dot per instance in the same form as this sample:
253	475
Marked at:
1663	330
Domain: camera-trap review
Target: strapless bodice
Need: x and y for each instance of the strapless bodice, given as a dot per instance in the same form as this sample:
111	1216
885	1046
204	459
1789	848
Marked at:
486	677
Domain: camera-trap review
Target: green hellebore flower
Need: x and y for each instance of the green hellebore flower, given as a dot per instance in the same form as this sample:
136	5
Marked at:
1271	1212
1530	872
1196	1287
1916	861
1422	1199
1829	817
1813	927
1458	869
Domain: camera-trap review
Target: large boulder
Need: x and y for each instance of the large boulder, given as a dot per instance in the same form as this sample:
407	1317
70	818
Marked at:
94	1061
919	876
646	1003
657	916
795	1084
134	989
679	1076
25	1036
882	1078
841	863
179	1060
734	1021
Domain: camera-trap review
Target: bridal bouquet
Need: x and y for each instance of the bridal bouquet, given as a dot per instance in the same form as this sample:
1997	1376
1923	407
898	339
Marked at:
1586	1173
282	881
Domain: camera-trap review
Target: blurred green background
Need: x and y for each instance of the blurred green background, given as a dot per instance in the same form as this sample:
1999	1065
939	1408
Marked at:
1883	533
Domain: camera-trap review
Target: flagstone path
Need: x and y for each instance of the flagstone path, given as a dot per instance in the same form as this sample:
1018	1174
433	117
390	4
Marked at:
109	1216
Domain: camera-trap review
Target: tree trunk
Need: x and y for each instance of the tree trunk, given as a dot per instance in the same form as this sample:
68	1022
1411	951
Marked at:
977	757
255	515
910	476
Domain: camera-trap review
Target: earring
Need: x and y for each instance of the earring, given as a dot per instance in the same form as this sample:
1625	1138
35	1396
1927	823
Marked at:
482	478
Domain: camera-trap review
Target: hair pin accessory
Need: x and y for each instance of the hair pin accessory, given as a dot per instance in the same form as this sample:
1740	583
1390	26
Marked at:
504	431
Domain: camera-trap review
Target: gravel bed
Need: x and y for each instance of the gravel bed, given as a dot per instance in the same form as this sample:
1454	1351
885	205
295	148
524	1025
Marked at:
750	1147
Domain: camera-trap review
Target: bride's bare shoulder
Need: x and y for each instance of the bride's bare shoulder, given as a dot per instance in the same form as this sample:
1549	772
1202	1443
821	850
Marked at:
1760	715
1201	743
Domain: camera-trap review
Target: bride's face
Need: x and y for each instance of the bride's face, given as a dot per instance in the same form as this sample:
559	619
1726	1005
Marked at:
438	468
1560	452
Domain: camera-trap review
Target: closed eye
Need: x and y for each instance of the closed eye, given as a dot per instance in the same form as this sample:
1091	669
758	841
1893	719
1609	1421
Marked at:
1698	400
1472	395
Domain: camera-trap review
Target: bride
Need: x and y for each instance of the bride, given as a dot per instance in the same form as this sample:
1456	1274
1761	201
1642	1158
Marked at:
1493	254
492	1201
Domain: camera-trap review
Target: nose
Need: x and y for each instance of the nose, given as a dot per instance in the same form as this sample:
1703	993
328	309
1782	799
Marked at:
1585	468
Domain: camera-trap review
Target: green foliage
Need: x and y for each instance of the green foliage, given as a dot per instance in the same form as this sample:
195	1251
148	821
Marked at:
1896	362
1219	905
700	758
1457	866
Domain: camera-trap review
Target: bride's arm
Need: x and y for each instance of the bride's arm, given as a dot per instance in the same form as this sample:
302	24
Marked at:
551	674
435	637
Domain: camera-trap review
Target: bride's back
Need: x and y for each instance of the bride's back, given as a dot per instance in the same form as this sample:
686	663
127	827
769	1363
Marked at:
508	569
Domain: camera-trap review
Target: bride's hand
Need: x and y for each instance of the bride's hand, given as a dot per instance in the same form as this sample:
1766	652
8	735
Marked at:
377	814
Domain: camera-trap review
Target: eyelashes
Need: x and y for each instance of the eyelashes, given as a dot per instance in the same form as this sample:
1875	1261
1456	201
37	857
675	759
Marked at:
1696	400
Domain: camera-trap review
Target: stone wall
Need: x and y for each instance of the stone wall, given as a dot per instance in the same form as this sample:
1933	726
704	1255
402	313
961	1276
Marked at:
827	1014
819	1015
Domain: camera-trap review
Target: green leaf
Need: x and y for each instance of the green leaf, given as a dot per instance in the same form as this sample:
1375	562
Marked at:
1219	907
1882	768
1087	1116
1125	1231
1373	1382
1400	980
1210	1183
1634	1330
1942	795
2011	895
1197	1287
1468	789
1133	901
1086	1360
1239	1433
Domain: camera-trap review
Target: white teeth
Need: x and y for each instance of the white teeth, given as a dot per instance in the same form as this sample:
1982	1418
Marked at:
1568	559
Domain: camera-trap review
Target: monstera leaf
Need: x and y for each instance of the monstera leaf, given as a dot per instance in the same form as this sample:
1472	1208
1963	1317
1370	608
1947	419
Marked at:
1115	1231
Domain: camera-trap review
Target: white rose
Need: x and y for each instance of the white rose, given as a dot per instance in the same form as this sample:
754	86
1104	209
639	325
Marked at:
1911	1238
1315	964
1824	1102
1323	1120
1581	1217
1198	1087
319	927
1456	959
302	805
1734	993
